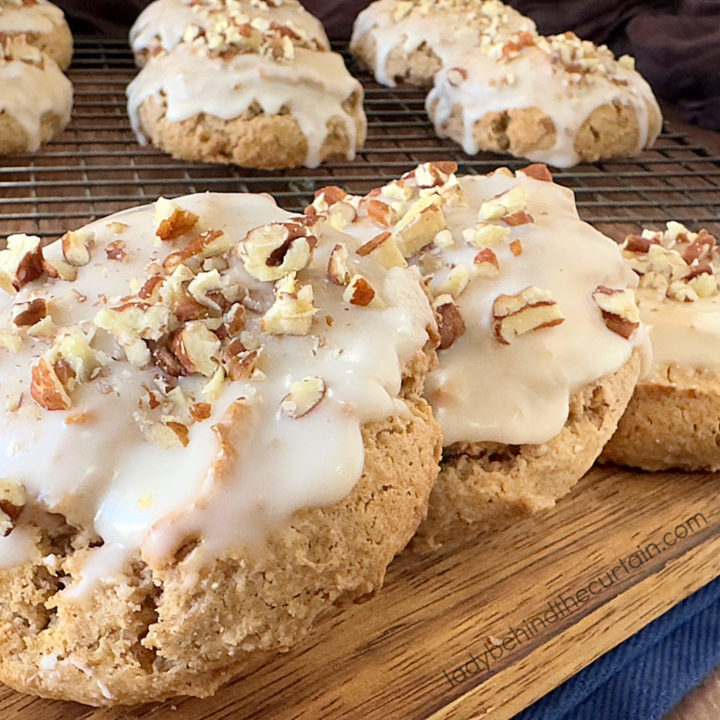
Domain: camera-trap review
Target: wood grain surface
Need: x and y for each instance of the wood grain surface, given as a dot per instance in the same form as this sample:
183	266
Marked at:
484	630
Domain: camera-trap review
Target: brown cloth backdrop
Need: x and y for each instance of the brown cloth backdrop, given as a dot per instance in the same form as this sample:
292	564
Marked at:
676	43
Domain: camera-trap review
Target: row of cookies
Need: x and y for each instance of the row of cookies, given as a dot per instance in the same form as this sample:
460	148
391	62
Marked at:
35	96
260	409
541	371
280	98
250	82
498	85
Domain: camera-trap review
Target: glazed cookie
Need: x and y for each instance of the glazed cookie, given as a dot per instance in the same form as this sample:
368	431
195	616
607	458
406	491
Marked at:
409	41
559	100
539	330
35	97
189	477
672	418
165	23
250	94
43	25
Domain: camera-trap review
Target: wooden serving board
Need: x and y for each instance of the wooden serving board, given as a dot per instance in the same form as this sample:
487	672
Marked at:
484	631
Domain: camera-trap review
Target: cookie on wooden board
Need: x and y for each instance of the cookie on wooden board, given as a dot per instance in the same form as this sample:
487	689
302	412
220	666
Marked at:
672	418
193	478
540	335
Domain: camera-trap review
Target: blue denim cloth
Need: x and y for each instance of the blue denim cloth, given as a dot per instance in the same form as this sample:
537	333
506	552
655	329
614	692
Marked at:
648	674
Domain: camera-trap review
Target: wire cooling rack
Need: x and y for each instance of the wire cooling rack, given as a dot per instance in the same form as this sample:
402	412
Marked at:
96	167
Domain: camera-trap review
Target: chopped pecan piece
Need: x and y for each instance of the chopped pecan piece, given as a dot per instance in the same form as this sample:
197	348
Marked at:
451	325
433	174
115	250
518	218
337	270
360	292
195	346
271	251
385	249
529	310
639	244
172	221
538	171
28	313
21	262
76	247
238	361
46	388
303	397
486	263
619	309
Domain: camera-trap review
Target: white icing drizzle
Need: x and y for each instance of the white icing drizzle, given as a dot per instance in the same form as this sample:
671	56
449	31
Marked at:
48	662
516	393
519	393
40	17
162	24
313	88
31	84
681	309
17	547
447	27
682	335
562	76
139	496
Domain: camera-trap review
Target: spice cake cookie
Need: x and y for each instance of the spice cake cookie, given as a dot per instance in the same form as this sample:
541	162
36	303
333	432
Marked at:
43	25
205	446
35	97
672	418
410	40
262	98
165	23
540	339
558	100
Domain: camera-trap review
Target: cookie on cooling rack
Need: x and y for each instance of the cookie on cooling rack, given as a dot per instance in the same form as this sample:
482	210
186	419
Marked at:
540	336
43	25
35	97
558	100
165	23
189	478
672	418
253	95
402	41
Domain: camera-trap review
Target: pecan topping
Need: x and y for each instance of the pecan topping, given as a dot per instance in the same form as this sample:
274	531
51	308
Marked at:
619	309
529	310
451	325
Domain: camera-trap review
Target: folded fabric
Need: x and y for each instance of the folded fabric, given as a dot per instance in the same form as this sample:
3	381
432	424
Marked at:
648	674
678	51
107	17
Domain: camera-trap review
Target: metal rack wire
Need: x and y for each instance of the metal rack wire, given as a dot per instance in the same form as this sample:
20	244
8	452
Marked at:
95	167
